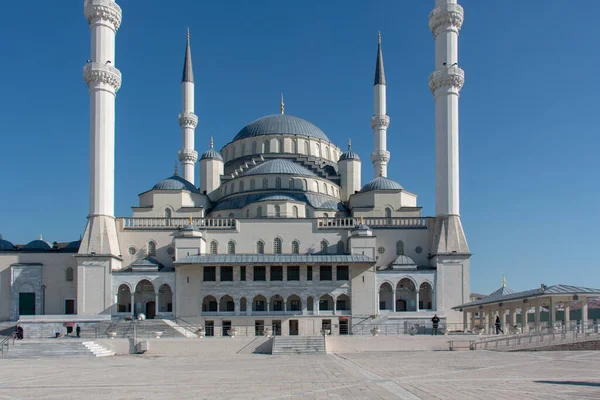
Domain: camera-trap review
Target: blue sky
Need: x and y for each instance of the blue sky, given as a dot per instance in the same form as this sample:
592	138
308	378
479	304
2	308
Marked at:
529	139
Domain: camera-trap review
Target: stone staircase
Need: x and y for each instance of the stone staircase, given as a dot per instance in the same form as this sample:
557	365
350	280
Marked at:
298	345
145	329
57	348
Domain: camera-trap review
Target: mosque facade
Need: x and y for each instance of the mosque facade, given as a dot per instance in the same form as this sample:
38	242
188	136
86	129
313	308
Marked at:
279	231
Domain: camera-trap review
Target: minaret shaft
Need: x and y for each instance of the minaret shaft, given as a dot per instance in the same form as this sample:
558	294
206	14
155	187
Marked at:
380	120
187	119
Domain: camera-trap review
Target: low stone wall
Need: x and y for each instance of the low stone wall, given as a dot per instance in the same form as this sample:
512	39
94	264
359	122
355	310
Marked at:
357	344
187	347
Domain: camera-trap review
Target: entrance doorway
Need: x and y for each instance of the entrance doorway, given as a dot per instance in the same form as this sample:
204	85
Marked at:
209	327
276	328
70	306
326	324
293	327
150	310
343	326
400	305
259	327
226	328
26	303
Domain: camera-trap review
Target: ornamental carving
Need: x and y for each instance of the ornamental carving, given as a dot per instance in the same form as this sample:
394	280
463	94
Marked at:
188	156
106	10
448	16
188	120
380	121
96	73
450	78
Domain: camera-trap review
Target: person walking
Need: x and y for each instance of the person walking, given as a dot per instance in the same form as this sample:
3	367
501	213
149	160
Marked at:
498	325
434	323
78	330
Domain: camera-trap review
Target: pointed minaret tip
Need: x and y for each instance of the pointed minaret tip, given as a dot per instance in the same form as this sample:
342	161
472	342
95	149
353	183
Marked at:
379	73
349	144
176	169
188	72
211	142
281	105
503	280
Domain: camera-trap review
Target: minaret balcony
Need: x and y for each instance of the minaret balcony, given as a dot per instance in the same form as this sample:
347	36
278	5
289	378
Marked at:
450	16
103	10
380	121
451	78
188	120
187	156
102	76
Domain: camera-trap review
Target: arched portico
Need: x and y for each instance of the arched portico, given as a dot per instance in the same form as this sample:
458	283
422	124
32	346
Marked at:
124	299
165	299
386	297
145	299
425	301
406	296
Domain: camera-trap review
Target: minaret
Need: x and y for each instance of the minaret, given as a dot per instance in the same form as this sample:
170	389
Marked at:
103	80
380	120
445	83
349	166
187	119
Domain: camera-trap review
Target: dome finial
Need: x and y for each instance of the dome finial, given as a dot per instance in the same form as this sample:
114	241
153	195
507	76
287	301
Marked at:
361	220
191	220
349	144
503	280
176	169
281	105
212	144
41	238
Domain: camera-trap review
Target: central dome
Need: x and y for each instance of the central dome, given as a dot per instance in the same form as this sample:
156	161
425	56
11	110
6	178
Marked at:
280	124
279	166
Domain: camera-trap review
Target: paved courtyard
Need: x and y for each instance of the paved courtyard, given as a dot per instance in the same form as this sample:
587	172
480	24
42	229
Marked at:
400	375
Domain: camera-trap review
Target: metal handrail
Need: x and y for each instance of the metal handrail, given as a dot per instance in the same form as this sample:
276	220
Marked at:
6	342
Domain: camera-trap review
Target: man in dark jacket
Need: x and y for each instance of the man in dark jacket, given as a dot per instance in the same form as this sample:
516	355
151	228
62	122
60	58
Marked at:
78	330
434	322
498	325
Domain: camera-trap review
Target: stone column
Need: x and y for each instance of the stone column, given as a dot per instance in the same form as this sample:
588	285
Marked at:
524	321
503	319
465	320
538	308
417	301
394	300
334	306
133	303
552	316
584	314
567	315
156	303
481	326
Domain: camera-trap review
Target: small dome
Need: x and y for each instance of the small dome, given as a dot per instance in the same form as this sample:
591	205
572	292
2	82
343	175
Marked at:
175	183
39	244
280	124
403	260
381	183
349	155
6	245
279	166
361	227
211	154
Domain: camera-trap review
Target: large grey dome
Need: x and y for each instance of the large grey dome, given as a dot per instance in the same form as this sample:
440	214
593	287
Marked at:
280	124
279	166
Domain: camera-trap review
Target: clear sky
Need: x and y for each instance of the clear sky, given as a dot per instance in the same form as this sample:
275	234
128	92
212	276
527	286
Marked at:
528	111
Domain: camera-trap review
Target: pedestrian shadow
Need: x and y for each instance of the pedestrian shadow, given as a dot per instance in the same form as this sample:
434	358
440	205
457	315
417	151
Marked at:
574	383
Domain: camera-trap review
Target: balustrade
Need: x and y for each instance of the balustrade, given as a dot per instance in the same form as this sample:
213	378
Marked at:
372	222
175	223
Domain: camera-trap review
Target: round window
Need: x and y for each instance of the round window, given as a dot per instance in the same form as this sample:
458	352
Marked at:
381	250
419	250
132	250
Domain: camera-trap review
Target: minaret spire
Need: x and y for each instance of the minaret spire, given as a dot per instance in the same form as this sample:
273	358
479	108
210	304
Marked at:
281	105
380	120
187	119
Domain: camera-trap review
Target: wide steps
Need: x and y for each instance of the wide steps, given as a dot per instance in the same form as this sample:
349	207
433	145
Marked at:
57	349
298	345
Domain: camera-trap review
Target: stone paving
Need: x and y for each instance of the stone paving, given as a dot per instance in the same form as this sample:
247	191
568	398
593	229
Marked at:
399	375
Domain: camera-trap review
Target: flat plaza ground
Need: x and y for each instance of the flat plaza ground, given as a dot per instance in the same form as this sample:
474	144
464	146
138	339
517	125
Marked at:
399	375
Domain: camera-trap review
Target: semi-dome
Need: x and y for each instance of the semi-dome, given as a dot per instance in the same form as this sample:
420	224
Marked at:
39	244
175	182
279	166
381	183
6	245
403	260
280	124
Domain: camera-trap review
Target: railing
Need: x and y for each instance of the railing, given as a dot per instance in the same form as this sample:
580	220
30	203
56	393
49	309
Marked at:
372	222
175	223
550	337
406	328
6	343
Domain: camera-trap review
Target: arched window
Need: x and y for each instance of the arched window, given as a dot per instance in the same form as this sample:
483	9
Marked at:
252	184
306	148
278	183
295	247
69	274
253	147
304	185
277	246
317	187
295	212
318	152
260	247
324	246
214	247
326	215
259	212
280	146
152	248
325	188
241	186
167	213
231	247
265	183
399	248
294	146
277	211
388	212
327	153
340	247
266	147
291	183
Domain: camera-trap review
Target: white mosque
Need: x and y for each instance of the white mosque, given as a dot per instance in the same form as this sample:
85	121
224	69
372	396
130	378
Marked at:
280	232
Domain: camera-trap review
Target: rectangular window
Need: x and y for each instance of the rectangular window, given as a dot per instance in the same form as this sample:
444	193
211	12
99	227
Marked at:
276	273
325	272
226	274
293	273
243	273
259	274
309	273
342	273
210	274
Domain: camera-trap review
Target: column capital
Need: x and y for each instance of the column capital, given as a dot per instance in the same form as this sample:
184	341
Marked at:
103	10
446	17
102	77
